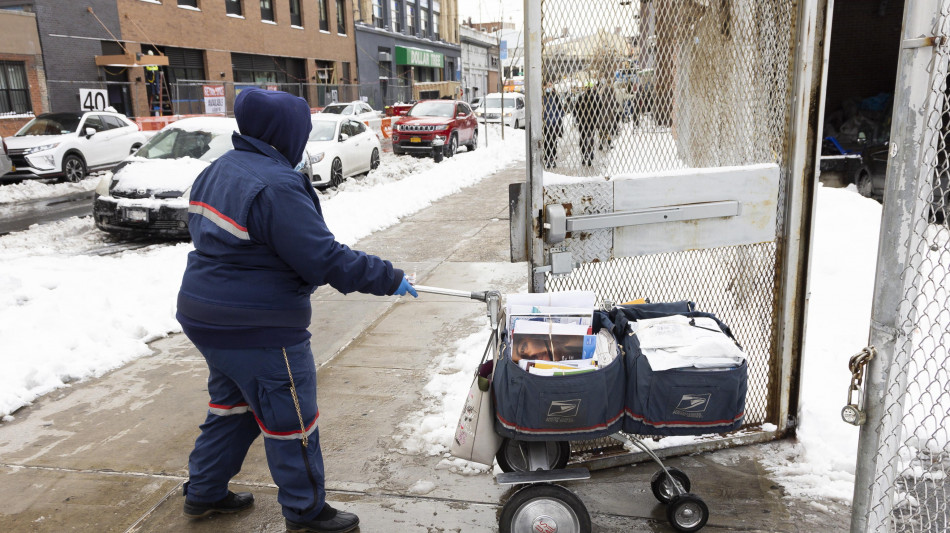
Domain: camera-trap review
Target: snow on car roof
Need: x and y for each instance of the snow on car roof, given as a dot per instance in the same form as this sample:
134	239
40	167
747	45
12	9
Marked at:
210	124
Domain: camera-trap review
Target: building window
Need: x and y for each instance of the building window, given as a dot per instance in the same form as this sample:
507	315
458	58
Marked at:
436	15
324	17
295	13
233	7
423	22
396	14
378	20
14	89
346	73
267	10
410	19
188	3
341	17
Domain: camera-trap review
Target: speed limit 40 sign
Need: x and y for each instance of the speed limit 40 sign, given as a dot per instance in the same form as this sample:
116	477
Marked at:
93	99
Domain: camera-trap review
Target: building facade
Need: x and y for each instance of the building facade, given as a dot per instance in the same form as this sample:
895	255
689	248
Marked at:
306	47
22	75
410	47
479	63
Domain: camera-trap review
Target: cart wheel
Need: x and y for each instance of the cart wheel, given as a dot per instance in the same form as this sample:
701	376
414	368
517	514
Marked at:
663	489
513	455
544	507
687	513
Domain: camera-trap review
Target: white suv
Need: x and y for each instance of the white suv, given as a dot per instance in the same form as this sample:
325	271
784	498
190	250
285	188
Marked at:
71	145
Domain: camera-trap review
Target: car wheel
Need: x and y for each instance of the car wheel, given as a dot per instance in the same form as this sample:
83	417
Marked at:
74	168
374	159
453	145
336	172
863	183
474	144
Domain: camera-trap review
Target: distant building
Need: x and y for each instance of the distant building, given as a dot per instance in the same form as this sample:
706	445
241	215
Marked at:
300	46
22	76
479	63
411	47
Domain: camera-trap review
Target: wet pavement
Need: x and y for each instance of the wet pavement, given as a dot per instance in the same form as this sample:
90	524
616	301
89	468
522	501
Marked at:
110	454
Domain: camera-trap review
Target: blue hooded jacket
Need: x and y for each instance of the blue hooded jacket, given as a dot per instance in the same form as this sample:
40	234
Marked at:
261	244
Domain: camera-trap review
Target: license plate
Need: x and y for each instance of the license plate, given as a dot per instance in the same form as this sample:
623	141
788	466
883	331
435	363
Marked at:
415	139
137	215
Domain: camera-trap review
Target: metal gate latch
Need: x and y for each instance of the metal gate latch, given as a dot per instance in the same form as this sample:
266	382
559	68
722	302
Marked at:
852	412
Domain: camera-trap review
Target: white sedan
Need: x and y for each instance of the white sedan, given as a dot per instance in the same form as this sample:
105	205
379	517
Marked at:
358	110
340	147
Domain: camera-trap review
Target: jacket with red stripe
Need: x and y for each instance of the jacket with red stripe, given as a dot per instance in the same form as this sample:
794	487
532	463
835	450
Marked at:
261	248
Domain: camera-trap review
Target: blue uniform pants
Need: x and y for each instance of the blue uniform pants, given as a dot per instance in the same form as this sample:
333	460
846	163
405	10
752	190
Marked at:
250	393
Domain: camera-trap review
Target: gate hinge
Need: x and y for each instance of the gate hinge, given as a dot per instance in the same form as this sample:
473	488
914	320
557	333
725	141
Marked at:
921	42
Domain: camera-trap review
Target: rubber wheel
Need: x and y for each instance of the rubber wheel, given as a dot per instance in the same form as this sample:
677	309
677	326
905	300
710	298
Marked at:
374	160
544	507
863	183
687	513
513	455
472	146
336	172
453	146
74	168
663	489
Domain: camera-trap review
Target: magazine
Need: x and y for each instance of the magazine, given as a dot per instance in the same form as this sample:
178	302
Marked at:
548	341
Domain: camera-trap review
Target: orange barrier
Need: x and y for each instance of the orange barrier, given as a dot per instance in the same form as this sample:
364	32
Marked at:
383	126
157	123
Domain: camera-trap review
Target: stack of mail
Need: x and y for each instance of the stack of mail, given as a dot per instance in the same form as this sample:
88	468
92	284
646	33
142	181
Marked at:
677	341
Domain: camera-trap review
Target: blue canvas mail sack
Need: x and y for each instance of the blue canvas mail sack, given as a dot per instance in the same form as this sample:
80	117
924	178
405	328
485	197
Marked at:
680	401
530	407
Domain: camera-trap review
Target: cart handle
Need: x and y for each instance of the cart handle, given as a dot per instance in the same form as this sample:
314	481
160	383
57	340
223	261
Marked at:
491	298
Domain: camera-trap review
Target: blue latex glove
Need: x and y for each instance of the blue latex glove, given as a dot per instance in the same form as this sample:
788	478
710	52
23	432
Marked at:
405	287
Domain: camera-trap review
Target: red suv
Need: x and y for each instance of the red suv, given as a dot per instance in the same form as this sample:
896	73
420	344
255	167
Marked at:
436	128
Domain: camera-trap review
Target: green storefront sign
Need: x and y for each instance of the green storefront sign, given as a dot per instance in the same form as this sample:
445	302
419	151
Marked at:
419	57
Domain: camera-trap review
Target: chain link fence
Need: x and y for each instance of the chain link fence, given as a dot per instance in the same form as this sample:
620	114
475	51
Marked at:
644	88
187	96
904	452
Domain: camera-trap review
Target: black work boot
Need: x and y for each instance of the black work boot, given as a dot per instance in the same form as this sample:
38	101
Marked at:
231	503
329	520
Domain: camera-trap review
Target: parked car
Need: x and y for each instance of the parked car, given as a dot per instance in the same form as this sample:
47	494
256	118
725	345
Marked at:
358	110
147	194
513	112
339	147
71	145
436	128
475	103
5	164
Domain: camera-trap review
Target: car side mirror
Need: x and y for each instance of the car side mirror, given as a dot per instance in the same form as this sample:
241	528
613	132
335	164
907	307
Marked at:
402	113
462	115
89	132
344	137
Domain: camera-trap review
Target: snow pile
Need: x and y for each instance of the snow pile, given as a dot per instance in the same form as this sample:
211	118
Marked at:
159	175
34	190
65	315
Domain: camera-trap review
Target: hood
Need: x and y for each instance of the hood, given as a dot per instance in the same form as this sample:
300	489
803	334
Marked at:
162	178
29	141
277	118
425	120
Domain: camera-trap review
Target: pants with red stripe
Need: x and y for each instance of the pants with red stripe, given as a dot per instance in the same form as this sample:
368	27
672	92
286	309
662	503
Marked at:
250	395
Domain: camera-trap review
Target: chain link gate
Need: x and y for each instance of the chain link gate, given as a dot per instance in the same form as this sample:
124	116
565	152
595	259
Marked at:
694	119
904	449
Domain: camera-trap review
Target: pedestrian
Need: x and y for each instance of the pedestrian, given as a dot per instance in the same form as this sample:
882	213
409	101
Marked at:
585	115
609	122
552	114
261	248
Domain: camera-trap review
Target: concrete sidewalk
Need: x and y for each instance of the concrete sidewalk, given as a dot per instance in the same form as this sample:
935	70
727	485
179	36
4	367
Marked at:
110	454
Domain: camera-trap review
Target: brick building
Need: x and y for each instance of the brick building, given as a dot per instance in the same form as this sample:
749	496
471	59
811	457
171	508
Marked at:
300	46
22	78
410	47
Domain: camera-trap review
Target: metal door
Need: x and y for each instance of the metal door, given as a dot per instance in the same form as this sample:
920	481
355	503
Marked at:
684	167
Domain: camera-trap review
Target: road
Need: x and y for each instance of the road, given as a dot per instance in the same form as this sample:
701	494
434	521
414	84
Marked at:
22	215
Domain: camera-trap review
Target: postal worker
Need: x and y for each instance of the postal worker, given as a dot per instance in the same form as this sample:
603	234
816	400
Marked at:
261	248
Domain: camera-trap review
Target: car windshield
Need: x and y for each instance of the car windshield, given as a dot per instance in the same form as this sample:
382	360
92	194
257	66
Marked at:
174	143
433	109
338	109
495	103
323	130
51	124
